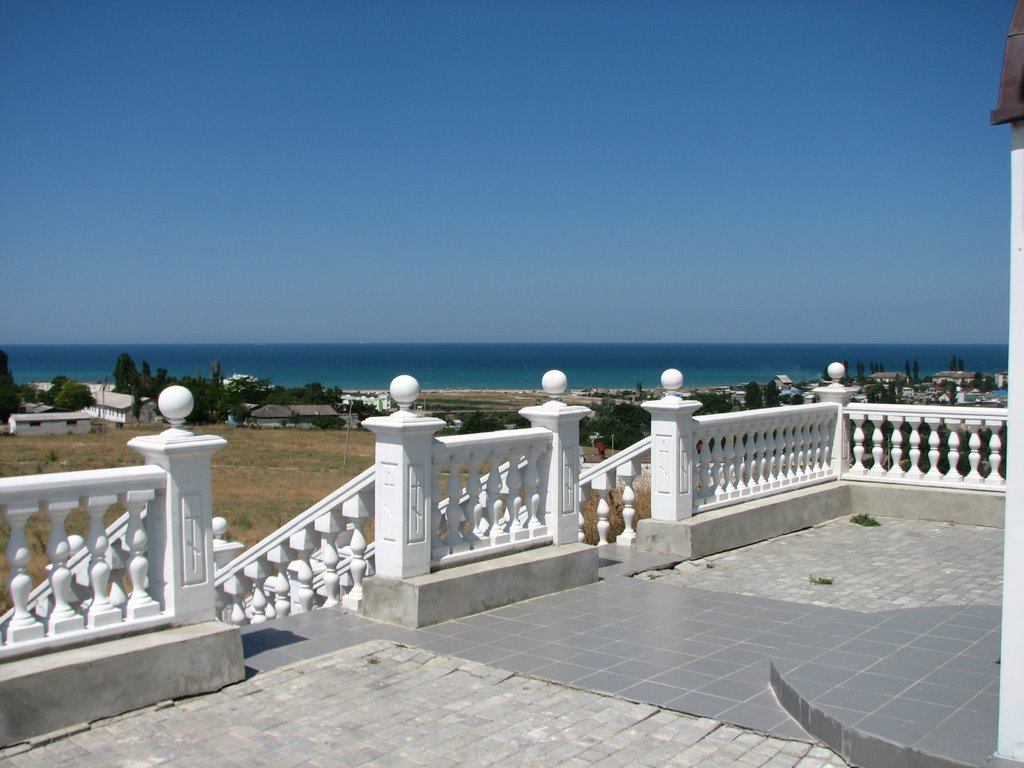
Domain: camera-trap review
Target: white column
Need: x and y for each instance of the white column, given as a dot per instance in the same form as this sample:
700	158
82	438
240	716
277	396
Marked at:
180	525
1010	740
841	396
562	498
672	453
403	495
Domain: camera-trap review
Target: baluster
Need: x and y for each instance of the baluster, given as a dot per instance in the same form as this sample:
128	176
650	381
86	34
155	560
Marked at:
531	483
718	470
792	439
353	599
953	455
933	449
303	543
329	526
235	587
771	462
974	454
62	617
118	560
825	443
603	483
761	467
914	471
494	503
896	447
281	557
877	448
628	473
23	625
101	612
140	605
513	500
453	514
703	447
858	467
260	573
473	490
995	456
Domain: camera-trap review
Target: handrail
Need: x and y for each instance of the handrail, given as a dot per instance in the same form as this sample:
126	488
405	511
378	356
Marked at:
945	412
637	449
334	500
71	486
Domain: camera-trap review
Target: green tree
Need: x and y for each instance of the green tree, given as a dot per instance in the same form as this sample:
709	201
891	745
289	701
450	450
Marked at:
771	394
55	384
754	397
10	395
916	371
125	374
73	396
713	402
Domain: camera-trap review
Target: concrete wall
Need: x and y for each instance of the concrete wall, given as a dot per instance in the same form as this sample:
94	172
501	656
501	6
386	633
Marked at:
54	691
742	524
420	601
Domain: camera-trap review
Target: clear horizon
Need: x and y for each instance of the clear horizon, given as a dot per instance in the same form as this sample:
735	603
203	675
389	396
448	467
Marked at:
572	172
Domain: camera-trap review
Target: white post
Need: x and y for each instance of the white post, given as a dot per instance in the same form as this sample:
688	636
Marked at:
180	525
841	396
1010	739
403	494
562	507
672	460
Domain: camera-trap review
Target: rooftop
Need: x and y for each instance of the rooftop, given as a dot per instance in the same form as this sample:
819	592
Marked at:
670	670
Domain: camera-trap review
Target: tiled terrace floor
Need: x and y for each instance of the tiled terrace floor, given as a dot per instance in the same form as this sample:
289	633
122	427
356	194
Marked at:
624	655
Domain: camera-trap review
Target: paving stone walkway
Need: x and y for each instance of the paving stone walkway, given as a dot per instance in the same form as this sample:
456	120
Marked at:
899	564
381	704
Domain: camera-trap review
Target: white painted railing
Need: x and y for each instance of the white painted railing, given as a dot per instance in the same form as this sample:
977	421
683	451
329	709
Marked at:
317	559
739	456
481	514
928	445
75	609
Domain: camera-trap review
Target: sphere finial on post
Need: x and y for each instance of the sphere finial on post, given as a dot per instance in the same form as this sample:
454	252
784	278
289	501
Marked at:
176	403
555	384
672	382
404	390
836	371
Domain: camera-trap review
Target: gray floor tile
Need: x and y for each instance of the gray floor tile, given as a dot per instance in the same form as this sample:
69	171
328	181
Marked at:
703	704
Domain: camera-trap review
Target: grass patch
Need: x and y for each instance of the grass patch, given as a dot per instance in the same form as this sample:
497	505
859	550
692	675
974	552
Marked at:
866	520
821	581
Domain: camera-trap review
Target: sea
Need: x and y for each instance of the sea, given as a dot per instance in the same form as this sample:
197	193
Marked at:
362	367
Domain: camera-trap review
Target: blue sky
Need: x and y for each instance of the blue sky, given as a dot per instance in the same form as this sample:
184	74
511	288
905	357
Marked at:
518	171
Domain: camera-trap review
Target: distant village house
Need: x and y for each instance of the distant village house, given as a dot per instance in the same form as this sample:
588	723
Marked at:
50	423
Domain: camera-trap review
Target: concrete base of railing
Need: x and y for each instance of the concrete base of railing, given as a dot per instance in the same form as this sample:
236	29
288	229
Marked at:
727	528
467	589
58	690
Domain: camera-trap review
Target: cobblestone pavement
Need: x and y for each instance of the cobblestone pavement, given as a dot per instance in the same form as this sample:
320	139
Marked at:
383	704
899	564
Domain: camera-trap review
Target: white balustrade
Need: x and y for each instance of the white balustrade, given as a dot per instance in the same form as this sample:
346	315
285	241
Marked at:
60	615
937	437
756	453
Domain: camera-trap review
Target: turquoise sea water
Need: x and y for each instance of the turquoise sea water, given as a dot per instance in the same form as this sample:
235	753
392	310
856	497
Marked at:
493	366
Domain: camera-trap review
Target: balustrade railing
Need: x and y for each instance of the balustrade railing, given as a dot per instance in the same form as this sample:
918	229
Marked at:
482	513
94	590
757	453
928	445
317	559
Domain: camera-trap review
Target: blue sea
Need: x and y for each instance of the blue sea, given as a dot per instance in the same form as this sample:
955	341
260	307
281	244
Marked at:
493	366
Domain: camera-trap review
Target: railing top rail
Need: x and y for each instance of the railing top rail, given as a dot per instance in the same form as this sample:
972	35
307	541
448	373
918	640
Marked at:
69	486
488	440
332	501
637	449
761	414
946	412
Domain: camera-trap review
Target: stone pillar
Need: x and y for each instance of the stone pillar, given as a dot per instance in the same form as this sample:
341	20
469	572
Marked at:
562	496
403	494
180	524
841	396
672	451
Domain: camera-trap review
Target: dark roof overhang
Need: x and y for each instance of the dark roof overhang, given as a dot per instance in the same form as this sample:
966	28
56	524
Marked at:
1011	84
